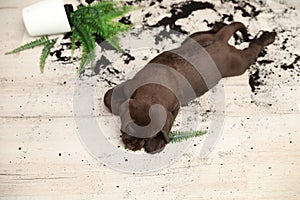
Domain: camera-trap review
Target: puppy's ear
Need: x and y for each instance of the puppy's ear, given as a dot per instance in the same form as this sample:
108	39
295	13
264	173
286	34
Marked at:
107	99
133	112
114	97
124	114
139	112
126	108
217	26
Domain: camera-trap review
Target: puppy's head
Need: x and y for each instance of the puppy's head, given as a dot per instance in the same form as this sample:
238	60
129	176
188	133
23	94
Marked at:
145	125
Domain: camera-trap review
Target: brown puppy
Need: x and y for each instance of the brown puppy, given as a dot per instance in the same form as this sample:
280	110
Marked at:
175	77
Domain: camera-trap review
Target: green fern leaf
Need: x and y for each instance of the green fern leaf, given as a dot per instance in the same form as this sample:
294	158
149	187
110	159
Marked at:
84	35
84	59
38	42
98	18
82	64
114	41
73	40
45	53
120	11
87	41
105	7
178	136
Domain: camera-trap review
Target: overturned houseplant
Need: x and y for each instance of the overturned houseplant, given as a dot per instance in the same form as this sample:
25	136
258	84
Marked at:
87	23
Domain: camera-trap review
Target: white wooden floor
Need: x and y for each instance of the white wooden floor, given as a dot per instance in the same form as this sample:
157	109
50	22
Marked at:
41	156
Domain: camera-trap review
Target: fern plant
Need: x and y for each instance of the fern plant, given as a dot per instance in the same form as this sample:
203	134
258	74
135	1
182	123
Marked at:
43	41
87	23
179	136
96	20
45	53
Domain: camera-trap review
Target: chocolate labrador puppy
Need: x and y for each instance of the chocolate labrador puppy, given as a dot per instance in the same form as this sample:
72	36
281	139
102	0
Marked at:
149	102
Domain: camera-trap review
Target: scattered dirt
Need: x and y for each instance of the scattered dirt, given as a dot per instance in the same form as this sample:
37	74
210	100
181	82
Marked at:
127	58
182	10
286	66
254	80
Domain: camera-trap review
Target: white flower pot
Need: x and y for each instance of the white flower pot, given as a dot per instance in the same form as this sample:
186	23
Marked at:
45	18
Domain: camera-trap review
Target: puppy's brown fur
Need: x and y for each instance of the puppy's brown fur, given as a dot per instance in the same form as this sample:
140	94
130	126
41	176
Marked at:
229	61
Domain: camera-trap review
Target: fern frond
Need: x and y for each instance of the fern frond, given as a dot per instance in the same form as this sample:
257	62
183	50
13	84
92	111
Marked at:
96	19
103	7
85	36
87	41
113	28
114	41
117	12
74	38
178	136
100	14
83	61
45	53
87	58
38	42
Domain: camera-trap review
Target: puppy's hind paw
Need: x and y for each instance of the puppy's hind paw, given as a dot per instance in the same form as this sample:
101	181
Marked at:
266	38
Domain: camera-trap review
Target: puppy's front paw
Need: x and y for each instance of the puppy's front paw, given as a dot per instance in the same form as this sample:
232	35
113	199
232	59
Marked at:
155	145
132	143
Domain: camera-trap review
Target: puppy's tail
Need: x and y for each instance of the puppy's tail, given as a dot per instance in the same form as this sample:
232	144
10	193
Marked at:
217	26
226	32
